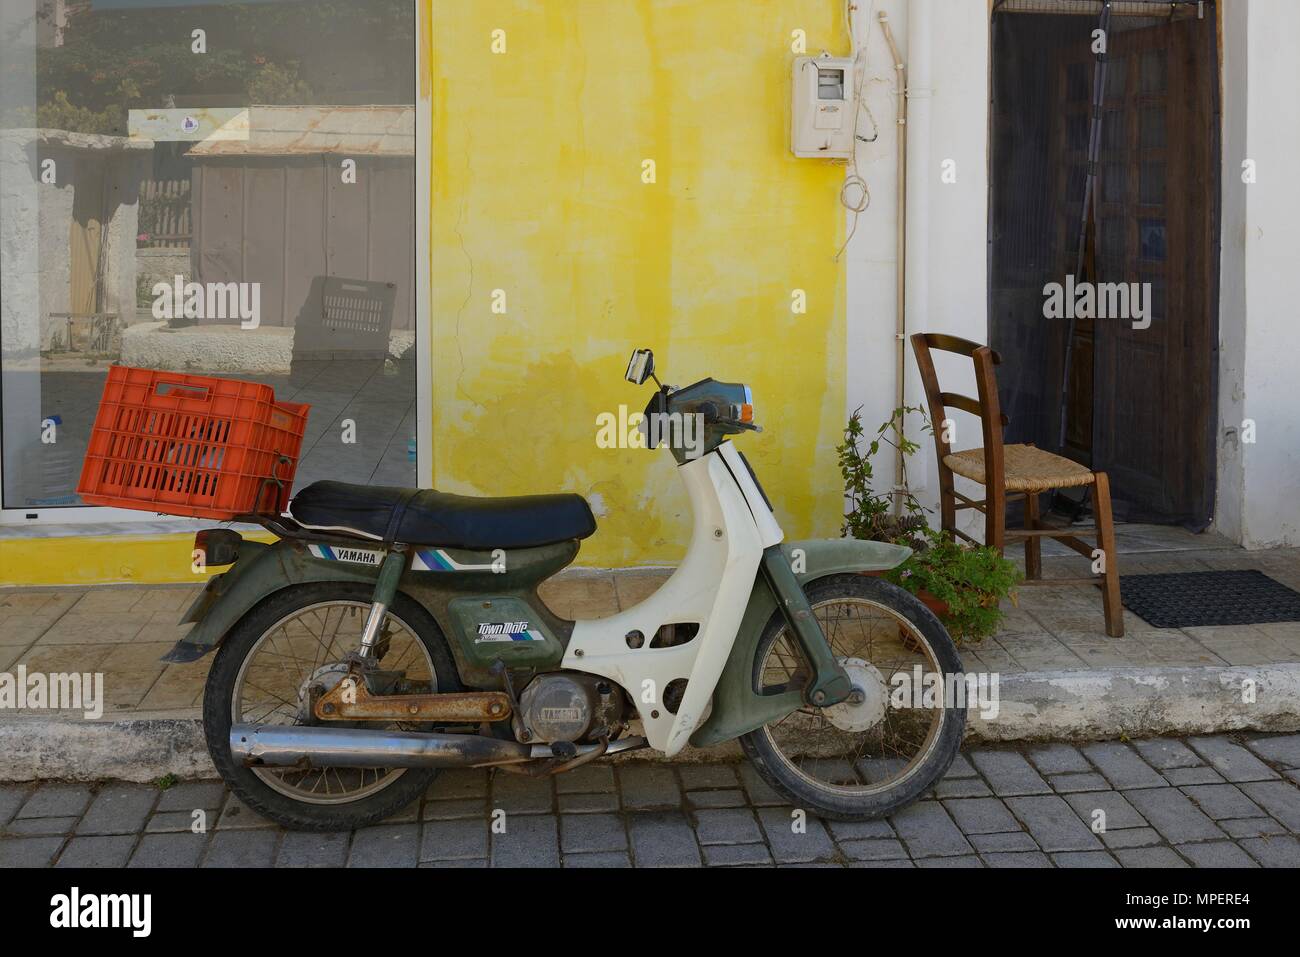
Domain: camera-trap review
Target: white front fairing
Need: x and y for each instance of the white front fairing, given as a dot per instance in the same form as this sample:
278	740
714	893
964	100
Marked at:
711	587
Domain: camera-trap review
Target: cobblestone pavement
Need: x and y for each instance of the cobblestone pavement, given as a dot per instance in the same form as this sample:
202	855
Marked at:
1213	801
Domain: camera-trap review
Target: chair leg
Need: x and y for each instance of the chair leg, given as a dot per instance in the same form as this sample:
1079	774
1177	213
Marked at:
947	502
995	518
1033	545
1106	542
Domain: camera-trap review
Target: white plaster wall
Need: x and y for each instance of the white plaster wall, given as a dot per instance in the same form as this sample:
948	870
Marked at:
953	297
1271	493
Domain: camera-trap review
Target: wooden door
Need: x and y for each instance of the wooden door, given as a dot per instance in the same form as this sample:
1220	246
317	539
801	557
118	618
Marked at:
1153	388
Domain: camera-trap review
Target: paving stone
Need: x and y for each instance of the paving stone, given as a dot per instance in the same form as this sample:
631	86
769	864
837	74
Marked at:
1084	859
56	801
1283	749
310	849
860	830
981	816
98	851
169	850
1216	854
454	864
12	797
700	777
961	767
1221	801
170	821
518	794
963	861
1252	827
1280	799
1232	760
1058	759
588	803
813	843
760	794
1119	813
1172	813
236	816
1164	754
898	863
732	855
1182	777
455	810
583	833
1122	766
454	840
601	859
385	845
588	779
1149	857
241	849
530	840
646	787
663	839
878	850
928	831
38	826
727	826
460	784
1272	851
1073	783
1018	859
1008	773
28	851
1009	841
118	809
1053	824
191	795
710	799
961	788
1132	837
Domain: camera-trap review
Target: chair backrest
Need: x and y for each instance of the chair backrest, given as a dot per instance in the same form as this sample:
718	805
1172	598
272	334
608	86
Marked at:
986	406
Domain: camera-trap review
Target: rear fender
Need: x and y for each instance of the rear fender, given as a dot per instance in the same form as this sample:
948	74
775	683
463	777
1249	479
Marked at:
737	709
261	571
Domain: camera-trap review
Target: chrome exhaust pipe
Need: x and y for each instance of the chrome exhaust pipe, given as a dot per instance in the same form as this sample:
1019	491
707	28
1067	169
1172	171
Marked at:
286	746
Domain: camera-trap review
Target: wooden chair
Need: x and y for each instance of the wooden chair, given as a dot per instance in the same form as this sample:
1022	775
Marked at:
1008	472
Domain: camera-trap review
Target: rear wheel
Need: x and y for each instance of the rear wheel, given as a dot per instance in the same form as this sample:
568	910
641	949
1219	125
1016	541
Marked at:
297	638
868	757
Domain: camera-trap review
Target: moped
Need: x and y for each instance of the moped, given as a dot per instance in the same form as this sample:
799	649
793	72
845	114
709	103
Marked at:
390	633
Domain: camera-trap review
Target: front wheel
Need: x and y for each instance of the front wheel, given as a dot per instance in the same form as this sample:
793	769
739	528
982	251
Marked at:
885	747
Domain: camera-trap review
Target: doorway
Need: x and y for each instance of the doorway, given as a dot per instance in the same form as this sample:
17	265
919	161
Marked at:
1108	176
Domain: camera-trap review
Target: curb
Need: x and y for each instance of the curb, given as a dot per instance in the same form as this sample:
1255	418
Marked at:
1106	704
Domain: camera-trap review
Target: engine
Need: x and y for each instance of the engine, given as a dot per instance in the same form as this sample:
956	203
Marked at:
570	707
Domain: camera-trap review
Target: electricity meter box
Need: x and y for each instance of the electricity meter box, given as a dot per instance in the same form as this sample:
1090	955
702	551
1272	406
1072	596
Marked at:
824	107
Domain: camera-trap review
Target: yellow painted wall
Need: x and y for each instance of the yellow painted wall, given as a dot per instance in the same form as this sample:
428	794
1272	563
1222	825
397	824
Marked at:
537	190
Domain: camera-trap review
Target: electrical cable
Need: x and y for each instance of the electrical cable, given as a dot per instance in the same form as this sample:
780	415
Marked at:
854	180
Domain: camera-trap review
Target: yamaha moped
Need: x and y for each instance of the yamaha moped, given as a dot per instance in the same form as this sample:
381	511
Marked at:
390	633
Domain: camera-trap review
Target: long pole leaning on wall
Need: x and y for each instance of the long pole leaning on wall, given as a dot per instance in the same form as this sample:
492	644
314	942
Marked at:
900	321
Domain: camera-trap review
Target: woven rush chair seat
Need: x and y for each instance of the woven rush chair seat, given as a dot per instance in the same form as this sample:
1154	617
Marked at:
1026	468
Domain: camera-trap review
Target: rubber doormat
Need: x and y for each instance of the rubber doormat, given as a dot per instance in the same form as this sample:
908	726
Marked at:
1193	599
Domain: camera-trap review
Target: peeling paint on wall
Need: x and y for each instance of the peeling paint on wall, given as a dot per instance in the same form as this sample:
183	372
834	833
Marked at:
537	170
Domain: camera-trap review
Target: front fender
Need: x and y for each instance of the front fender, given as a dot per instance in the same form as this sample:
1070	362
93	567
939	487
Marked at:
260	571
737	709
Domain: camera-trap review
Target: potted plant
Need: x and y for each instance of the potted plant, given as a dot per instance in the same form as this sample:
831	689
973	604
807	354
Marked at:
962	584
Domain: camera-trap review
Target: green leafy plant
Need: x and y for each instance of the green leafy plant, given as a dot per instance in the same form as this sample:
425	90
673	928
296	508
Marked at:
965	583
871	514
970	580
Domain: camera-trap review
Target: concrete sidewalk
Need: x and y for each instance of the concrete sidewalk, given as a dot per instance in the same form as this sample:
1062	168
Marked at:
1207	802
1061	677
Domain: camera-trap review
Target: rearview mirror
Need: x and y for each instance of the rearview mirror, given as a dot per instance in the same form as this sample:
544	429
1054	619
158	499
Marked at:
640	367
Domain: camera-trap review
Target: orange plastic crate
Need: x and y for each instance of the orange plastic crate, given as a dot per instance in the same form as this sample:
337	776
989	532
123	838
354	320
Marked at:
191	445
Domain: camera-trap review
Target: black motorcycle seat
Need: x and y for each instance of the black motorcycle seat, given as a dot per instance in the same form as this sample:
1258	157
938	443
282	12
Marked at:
439	518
